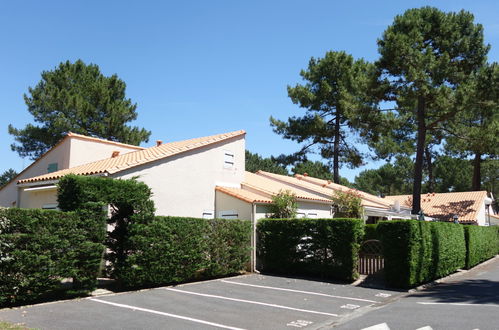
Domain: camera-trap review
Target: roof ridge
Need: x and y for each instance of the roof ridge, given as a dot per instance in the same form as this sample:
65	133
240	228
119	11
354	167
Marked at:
316	187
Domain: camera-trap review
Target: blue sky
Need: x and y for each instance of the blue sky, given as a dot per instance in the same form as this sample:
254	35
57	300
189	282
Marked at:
196	68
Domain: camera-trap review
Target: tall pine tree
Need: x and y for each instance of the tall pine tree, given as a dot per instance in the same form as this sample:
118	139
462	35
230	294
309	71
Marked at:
426	56
333	95
76	97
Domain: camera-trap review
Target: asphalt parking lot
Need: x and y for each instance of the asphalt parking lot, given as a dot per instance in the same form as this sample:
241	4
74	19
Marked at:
242	302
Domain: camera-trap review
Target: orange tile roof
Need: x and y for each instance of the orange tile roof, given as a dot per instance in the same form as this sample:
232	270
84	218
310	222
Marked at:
444	206
262	184
135	158
326	188
245	195
70	135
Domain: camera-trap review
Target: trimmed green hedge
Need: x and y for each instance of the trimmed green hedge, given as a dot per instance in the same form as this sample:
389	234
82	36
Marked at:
129	202
482	243
175	249
39	248
316	247
370	232
417	252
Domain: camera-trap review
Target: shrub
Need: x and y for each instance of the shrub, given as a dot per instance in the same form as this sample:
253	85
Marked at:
482	243
39	248
316	247
370	232
129	202
417	251
348	204
283	205
175	249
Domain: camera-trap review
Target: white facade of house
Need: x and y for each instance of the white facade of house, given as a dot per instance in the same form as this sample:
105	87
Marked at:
184	185
72	151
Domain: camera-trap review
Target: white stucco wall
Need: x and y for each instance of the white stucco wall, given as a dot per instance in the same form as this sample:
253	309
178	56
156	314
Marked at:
305	209
37	199
85	151
224	202
184	185
59	155
72	151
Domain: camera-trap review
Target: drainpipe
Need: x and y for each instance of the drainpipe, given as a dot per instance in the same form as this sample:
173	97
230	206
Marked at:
253	238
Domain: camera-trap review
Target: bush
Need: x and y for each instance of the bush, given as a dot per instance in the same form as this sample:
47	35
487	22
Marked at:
39	248
370	232
129	202
283	205
315	247
174	249
416	251
482	243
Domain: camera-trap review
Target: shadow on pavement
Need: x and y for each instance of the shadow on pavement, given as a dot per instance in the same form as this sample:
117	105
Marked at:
472	291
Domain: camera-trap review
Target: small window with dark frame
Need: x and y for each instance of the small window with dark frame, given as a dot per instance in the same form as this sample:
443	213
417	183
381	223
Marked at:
52	167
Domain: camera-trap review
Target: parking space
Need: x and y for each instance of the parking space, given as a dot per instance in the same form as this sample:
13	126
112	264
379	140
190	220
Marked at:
242	302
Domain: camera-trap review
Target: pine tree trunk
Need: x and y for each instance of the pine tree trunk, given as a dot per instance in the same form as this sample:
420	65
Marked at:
477	175
418	167
429	167
336	150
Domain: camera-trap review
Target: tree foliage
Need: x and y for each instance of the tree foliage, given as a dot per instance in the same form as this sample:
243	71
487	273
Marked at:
6	176
255	163
317	169
76	97
283	205
332	96
389	179
426	57
475	132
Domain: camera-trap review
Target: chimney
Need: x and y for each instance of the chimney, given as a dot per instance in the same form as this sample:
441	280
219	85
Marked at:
158	143
115	154
305	174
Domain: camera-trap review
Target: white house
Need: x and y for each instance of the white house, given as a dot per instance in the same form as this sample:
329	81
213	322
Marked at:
206	177
182	175
313	195
468	207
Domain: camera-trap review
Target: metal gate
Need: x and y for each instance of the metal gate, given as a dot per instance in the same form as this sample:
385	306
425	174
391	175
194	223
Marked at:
371	258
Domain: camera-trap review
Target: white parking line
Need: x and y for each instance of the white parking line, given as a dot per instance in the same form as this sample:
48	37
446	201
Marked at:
252	302
457	304
165	314
298	291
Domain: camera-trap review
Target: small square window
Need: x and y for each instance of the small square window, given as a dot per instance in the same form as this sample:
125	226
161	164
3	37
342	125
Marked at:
52	168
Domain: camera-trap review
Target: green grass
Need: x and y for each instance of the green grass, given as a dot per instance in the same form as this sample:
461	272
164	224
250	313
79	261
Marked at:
11	326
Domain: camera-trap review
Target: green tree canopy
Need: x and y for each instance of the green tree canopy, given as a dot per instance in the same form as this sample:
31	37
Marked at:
332	96
6	176
426	56
76	97
255	163
475	132
389	179
317	169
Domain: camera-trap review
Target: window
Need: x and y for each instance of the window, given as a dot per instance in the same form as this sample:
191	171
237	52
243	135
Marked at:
300	215
50	206
312	215
228	159
52	168
208	214
228	214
